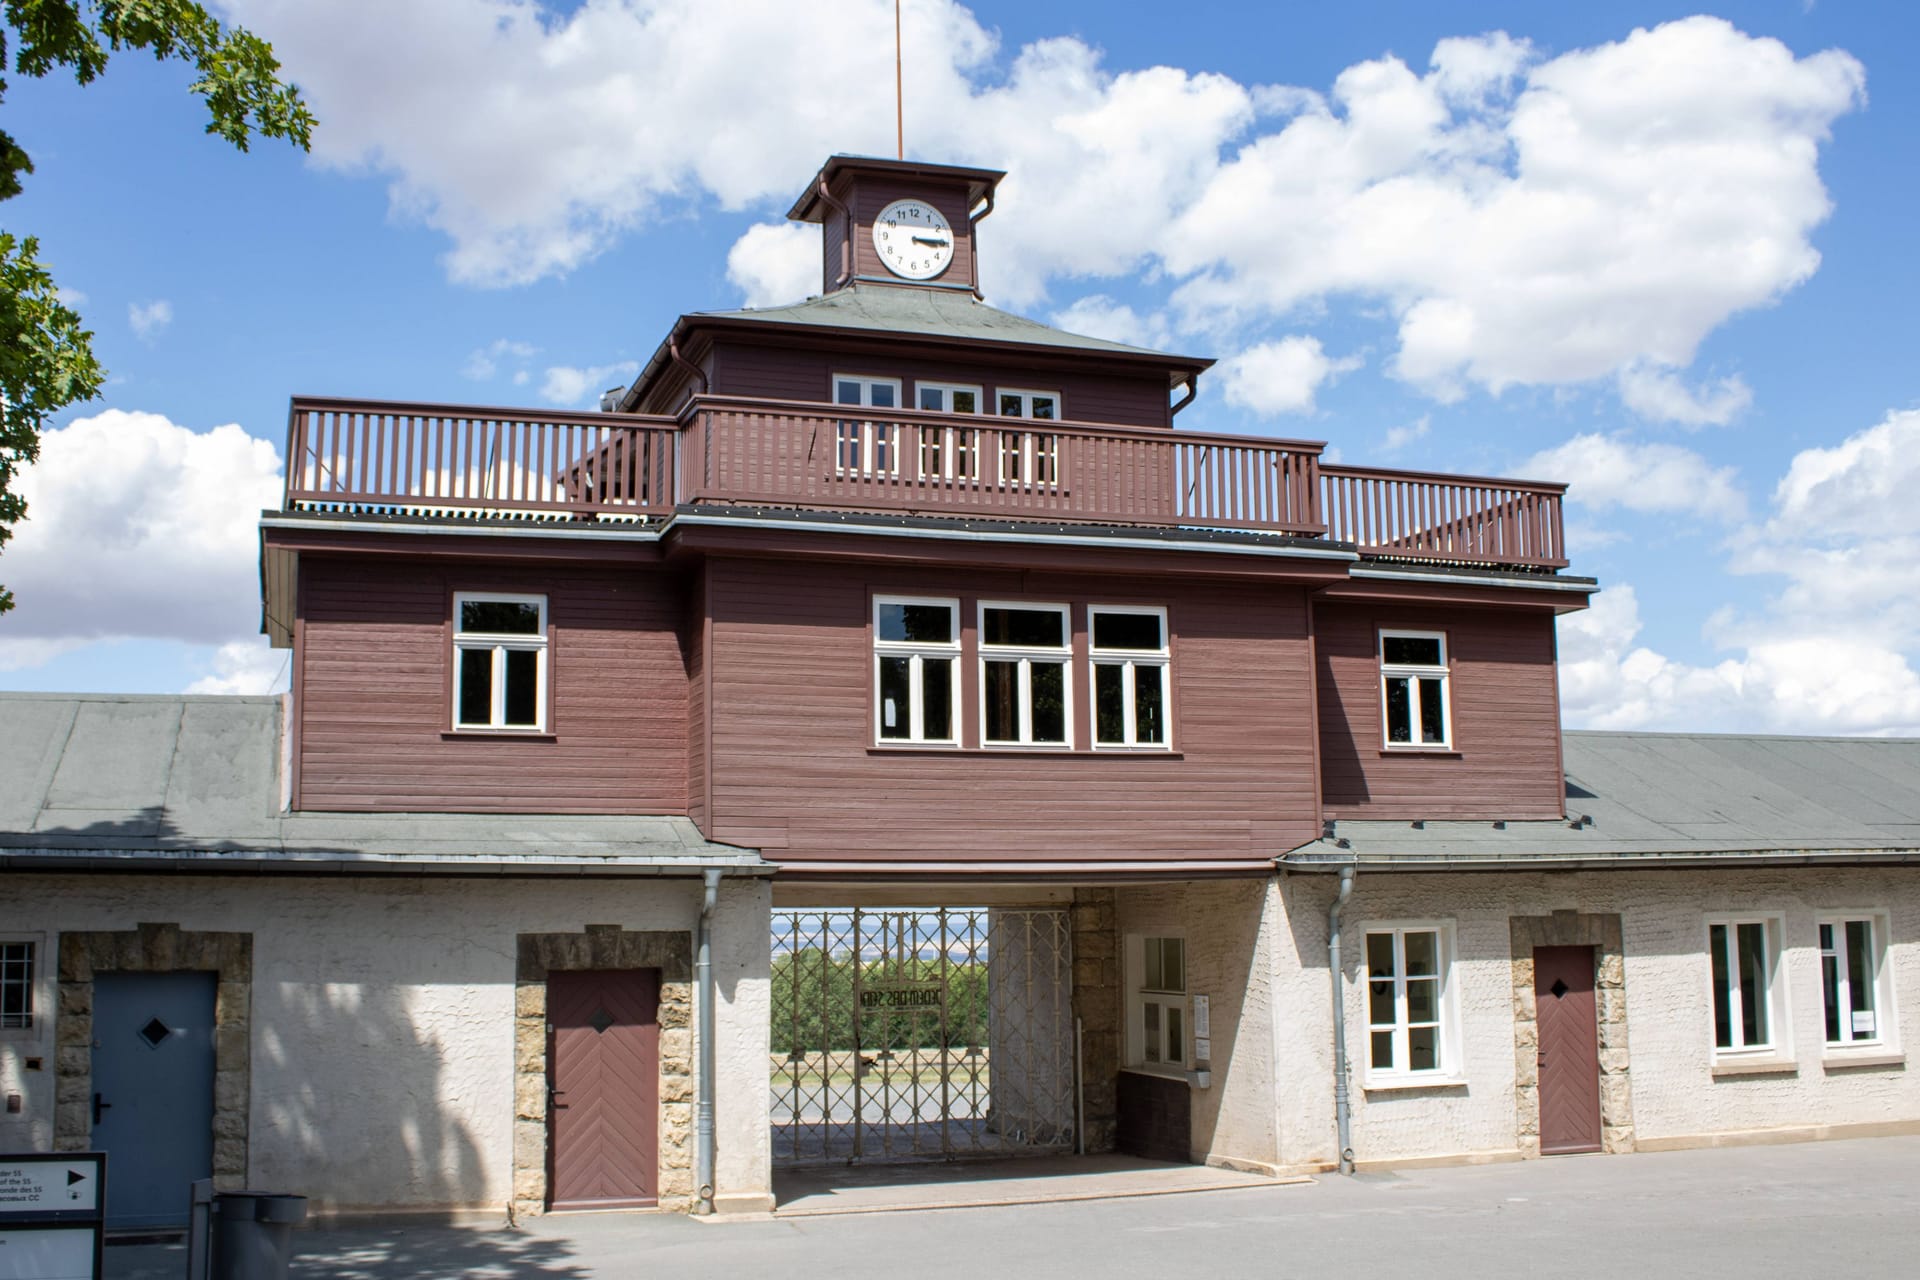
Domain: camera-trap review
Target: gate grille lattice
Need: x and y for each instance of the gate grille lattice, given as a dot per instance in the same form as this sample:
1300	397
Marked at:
921	1034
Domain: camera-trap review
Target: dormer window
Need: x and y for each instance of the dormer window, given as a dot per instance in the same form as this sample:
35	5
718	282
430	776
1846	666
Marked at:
499	662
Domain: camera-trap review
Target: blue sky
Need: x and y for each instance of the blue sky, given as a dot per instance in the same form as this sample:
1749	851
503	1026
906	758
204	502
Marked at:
1662	253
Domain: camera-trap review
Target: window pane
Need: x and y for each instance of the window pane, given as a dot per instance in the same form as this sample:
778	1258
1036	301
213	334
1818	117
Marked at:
1043	407
16	984
1380	955
1173	952
1423	954
1009	406
1109	704
895	698
936	698
1027	628
966	402
1433	716
1003	701
1380	1003
1152	1030
500	617
1423	1049
933	398
1399	710
1830	986
881	394
1176	1035
1382	1050
1410	650
1149	705
476	686
1722	987
1127	631
1826	937
1860	978
1752	941
523	688
916	623
1423	1000
1049	681
846	392
1155	977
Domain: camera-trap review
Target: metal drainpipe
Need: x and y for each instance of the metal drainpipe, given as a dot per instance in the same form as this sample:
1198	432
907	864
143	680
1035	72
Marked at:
1342	1106
703	1033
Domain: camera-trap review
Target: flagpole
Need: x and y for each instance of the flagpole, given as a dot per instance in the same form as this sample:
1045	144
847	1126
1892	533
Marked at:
899	109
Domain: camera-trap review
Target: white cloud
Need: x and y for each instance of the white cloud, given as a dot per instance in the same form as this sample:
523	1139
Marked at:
138	526
1281	377
71	297
566	385
1400	437
245	666
1614	471
1660	396
1863	485
485	361
22	653
149	319
1099	316
776	262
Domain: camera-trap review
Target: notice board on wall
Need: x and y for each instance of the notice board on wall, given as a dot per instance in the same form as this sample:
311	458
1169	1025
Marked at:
52	1215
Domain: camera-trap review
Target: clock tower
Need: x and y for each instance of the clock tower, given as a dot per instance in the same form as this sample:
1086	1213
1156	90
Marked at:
897	222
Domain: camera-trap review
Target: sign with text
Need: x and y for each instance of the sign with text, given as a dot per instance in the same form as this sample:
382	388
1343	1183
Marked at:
903	996
52	1215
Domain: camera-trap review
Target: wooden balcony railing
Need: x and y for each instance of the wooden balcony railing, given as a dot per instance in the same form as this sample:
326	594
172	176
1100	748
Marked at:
449	460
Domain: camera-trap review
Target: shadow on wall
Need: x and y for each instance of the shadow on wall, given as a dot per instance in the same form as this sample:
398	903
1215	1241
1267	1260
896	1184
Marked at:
1234	913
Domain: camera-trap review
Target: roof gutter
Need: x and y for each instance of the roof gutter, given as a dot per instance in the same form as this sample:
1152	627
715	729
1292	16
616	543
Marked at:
338	862
973	239
846	234
1664	859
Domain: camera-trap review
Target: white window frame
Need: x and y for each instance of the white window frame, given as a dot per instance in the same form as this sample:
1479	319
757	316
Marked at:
1028	457
500	644
1779	1042
1881	981
1415	671
917	652
877	443
1026	656
1449	1070
955	451
1027	396
1139	997
1130	660
39	990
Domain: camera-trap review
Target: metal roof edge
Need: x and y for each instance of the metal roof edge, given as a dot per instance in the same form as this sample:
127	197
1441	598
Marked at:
1477	577
349	863
1306	859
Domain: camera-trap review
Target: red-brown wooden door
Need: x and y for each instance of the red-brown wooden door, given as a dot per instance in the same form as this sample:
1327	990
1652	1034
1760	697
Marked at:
1569	1050
603	1057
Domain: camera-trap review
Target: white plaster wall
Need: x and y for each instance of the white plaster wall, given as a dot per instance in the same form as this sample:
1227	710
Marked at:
382	1073
1230	929
1677	1099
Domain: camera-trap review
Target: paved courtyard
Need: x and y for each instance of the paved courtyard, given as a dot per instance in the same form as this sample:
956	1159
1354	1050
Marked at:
1802	1209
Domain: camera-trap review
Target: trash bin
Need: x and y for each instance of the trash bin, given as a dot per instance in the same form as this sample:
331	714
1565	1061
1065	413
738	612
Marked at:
253	1234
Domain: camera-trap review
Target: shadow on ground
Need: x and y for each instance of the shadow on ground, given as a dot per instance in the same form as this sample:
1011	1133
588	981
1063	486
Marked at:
384	1253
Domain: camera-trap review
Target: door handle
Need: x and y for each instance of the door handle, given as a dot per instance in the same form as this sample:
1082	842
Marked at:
98	1107
1542	1061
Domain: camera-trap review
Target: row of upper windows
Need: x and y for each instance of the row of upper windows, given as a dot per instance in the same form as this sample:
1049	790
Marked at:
1023	652
946	397
880	448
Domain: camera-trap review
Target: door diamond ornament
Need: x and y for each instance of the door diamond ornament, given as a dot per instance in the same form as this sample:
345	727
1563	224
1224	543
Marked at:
154	1032
600	1020
1559	988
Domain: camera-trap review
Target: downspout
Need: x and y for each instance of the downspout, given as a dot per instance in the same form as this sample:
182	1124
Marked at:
973	241
1193	389
846	236
703	1034
1342	1106
693	370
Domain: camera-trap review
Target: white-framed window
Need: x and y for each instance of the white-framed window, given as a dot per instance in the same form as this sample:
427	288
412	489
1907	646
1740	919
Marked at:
1029	457
916	669
1025	696
19	978
1414	706
949	453
500	661
1129	652
1158	1027
1853	979
863	446
1749	1000
1411	1023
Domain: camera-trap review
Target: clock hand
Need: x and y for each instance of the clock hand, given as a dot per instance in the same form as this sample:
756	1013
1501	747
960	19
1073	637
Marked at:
937	244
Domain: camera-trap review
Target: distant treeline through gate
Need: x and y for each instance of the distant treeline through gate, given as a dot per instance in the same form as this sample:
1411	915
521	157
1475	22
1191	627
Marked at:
814	1005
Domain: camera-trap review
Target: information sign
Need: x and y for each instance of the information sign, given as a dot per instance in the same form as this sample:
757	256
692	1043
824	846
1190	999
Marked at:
52	1215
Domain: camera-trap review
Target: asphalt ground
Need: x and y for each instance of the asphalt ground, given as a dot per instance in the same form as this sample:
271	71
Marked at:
1849	1208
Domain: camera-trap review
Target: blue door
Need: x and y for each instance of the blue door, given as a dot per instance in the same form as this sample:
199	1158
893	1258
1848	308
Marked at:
152	1092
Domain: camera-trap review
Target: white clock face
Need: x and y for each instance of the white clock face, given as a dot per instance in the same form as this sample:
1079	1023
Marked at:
913	239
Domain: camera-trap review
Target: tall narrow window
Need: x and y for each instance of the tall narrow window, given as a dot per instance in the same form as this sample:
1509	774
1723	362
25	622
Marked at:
1030	457
1407	1034
1850	966
1413	689
949	453
866	447
1743	956
500	662
1129	652
1024	652
1157	1002
16	985
916	663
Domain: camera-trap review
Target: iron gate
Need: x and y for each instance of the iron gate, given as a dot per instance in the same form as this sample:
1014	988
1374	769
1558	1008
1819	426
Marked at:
921	1034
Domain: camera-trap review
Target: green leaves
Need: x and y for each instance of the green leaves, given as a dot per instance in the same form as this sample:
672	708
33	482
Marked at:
46	355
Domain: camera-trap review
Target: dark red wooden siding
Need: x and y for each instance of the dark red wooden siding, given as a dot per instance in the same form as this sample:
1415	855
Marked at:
795	770
603	1061
374	692
869	195
1569	1049
806	373
1506	717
